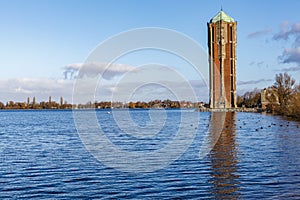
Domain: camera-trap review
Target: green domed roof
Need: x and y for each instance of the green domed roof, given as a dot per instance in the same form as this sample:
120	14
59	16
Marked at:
222	16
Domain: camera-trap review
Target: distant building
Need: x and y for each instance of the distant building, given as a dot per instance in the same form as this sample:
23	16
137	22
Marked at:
28	102
269	97
222	61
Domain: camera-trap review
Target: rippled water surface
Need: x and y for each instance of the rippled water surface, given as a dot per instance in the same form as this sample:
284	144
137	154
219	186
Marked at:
256	156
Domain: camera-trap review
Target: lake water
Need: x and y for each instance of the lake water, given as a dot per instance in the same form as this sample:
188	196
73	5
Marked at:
255	156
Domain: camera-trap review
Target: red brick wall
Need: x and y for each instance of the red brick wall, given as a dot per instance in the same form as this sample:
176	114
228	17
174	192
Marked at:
227	64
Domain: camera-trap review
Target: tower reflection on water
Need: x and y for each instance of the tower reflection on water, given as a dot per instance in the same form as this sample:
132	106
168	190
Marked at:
223	156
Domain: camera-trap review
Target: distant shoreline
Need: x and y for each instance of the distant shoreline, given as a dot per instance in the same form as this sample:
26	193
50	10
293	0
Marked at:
52	105
239	110
253	110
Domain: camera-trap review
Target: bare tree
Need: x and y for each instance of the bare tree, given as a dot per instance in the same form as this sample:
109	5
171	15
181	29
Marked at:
250	99
284	86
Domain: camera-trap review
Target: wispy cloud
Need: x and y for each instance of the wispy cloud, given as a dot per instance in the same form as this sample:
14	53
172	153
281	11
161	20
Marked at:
251	82
290	55
106	70
258	63
19	89
252	63
121	82
289	32
259	33
139	91
290	69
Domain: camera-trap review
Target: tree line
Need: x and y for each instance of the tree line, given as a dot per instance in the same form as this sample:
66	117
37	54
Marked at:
141	104
98	105
36	105
281	98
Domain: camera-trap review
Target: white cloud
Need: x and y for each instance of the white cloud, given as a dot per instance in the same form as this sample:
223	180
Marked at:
291	55
290	32
141	91
259	33
106	70
20	88
253	82
118	79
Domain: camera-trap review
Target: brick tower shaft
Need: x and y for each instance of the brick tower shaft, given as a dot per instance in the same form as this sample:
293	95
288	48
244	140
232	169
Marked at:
222	61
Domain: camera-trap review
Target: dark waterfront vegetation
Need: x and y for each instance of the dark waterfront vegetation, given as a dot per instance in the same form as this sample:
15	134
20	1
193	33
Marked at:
282	98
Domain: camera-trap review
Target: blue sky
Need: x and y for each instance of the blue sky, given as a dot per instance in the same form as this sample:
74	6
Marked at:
38	39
